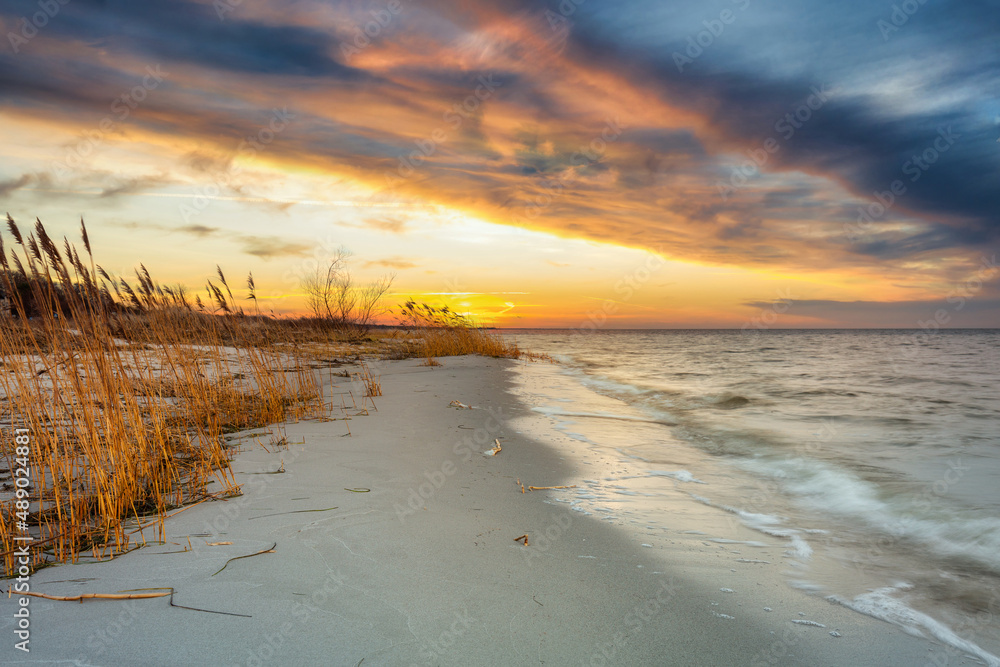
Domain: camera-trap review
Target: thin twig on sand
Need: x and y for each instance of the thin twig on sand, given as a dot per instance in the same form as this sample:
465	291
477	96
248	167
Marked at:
265	551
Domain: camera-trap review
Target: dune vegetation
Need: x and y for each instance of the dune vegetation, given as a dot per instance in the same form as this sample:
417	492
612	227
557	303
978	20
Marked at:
126	389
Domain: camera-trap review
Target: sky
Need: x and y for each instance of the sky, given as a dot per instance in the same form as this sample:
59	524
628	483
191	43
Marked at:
574	163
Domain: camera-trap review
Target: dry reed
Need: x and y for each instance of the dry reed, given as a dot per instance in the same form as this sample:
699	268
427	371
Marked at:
373	385
441	332
126	390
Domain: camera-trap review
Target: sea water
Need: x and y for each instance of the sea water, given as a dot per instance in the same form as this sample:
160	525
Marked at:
874	455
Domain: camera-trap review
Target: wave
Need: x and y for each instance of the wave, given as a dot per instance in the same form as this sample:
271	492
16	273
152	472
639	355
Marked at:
555	412
679	475
900	520
881	605
731	402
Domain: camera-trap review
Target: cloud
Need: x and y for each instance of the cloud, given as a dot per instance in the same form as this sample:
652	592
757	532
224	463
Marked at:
943	154
207	162
267	247
131	185
537	151
9	186
198	230
391	225
391	263
183	31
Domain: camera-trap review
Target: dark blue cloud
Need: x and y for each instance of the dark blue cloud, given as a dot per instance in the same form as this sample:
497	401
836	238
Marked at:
184	31
912	106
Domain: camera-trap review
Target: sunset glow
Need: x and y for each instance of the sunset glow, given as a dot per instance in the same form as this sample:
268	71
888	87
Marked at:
529	165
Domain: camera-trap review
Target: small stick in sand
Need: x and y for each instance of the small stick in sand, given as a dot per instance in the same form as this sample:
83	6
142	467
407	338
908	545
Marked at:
542	488
522	537
292	512
496	448
265	551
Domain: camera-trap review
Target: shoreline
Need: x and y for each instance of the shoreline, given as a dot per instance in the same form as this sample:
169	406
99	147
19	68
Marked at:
423	568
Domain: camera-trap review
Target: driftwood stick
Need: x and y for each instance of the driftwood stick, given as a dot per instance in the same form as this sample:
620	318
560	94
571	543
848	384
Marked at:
97	596
265	551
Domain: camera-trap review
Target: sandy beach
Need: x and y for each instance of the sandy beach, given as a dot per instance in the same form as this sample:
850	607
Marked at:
396	546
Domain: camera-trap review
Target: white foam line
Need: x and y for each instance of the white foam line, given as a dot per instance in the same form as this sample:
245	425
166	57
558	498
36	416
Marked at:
751	543
556	412
763	523
880	604
679	475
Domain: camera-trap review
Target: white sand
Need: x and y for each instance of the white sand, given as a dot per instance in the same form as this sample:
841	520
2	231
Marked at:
423	569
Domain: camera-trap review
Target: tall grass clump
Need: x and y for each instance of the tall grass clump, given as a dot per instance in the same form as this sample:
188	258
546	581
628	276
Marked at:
126	389
441	332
